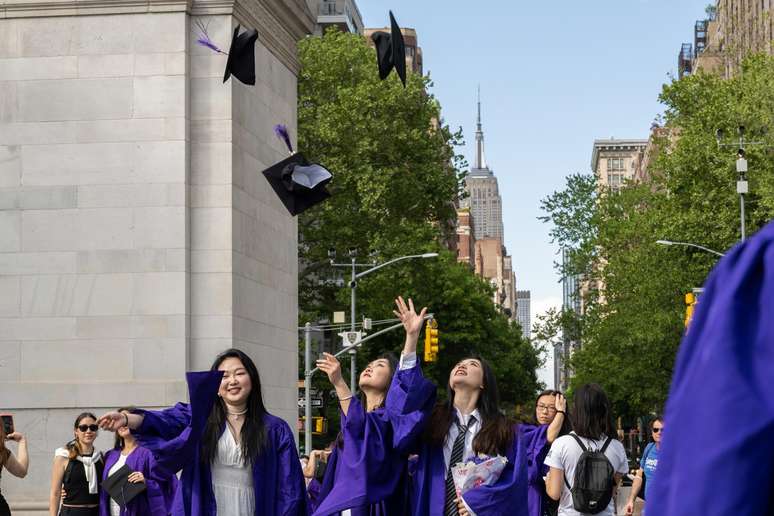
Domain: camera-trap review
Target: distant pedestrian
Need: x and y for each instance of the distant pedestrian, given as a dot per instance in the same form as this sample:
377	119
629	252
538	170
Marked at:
15	465
648	463
588	453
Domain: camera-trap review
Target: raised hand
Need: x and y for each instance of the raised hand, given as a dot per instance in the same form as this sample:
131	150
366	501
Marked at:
330	365
15	436
560	403
412	322
112	421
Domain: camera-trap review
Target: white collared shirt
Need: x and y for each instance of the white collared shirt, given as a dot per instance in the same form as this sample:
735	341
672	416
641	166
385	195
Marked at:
454	431
407	361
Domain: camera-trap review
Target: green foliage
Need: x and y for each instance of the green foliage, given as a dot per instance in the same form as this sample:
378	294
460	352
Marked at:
396	176
631	331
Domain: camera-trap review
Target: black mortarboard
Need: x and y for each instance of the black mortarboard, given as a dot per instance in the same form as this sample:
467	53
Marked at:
299	184
120	489
391	51
241	57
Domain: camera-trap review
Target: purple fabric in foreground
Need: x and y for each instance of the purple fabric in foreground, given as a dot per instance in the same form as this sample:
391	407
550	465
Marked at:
535	442
175	434
717	453
159	493
368	474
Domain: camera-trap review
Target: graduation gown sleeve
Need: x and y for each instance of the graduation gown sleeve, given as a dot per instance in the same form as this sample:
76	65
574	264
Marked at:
509	494
371	465
534	439
174	434
717	453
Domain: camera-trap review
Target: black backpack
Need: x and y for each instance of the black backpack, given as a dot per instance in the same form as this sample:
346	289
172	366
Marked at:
592	487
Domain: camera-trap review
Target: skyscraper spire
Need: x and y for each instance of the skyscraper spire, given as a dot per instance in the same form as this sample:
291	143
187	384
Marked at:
480	163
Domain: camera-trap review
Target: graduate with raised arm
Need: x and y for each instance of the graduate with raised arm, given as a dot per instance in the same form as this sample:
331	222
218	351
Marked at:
469	423
367	469
717	453
235	457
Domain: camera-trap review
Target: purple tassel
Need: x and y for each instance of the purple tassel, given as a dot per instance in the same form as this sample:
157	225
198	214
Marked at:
204	38
282	133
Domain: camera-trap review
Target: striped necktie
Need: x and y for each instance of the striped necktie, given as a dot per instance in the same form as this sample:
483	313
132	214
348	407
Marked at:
450	505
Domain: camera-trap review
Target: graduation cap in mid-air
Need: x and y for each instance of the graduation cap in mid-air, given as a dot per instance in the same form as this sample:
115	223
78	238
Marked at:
391	51
241	53
298	183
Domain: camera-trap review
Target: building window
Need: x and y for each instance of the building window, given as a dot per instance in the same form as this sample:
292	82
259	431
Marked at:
615	164
614	180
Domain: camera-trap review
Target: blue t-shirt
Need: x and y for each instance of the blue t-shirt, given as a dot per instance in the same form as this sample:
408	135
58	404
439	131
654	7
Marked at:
648	464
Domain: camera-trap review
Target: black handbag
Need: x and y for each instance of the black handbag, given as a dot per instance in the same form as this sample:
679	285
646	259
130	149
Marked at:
120	489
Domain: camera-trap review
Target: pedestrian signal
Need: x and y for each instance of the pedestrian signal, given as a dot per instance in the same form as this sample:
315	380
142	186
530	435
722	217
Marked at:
431	341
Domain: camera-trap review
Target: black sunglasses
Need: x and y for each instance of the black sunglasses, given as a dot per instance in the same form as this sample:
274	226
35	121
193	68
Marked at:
657	430
83	428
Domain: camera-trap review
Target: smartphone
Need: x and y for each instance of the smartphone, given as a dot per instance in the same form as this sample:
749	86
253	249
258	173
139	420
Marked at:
7	423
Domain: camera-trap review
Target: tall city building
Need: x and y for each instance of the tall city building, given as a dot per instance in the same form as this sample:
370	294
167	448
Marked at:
523	311
133	220
483	194
615	161
732	30
466	243
342	14
563	350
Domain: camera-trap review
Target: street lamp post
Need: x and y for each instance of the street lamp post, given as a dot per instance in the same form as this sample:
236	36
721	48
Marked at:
353	288
688	244
742	186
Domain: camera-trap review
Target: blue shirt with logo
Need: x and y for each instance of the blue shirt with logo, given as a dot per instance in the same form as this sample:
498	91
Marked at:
648	464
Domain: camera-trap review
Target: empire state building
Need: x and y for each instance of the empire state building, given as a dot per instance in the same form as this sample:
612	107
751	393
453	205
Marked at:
484	197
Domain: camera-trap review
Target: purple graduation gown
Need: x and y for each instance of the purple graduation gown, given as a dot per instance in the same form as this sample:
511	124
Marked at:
175	434
159	492
507	496
535	441
368	474
717	453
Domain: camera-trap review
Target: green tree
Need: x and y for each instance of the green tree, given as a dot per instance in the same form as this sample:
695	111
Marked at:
631	331
396	177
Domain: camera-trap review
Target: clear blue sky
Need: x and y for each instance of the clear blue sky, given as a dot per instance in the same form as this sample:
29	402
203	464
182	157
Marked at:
552	80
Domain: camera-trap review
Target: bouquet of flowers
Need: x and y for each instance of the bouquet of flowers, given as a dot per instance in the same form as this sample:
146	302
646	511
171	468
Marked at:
480	470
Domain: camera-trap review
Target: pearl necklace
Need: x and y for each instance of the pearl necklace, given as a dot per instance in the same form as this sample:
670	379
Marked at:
237	415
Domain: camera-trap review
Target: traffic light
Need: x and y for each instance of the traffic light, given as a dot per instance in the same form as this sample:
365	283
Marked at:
431	341
690	305
319	425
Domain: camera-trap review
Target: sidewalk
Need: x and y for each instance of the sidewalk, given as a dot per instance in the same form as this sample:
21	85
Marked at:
620	502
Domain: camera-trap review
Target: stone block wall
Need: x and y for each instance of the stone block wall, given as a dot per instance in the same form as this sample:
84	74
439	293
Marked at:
137	235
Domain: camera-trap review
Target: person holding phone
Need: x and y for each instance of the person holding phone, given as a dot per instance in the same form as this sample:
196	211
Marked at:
156	500
16	465
78	470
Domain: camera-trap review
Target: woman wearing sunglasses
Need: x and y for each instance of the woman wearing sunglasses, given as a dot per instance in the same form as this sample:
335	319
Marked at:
648	464
78	470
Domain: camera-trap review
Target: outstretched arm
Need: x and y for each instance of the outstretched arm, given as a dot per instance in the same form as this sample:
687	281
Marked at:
18	466
330	365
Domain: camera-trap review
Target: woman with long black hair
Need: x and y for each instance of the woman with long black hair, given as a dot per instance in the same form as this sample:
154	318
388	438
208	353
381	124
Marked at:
367	468
235	457
469	423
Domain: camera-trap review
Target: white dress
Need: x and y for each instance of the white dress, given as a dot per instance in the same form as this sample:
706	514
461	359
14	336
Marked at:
232	479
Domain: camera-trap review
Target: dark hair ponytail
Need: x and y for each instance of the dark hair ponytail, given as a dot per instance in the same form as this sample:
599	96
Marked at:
253	434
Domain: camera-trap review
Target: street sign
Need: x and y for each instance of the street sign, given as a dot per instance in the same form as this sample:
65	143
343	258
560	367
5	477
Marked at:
338	317
351	337
316	402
